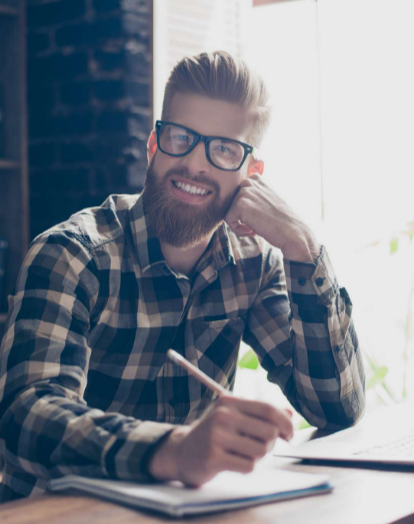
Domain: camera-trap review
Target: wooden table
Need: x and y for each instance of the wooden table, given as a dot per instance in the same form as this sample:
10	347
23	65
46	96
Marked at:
360	495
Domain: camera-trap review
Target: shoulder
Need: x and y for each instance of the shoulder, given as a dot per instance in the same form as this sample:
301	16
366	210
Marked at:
72	248
93	227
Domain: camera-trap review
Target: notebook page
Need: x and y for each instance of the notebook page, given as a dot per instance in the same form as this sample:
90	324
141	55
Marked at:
264	481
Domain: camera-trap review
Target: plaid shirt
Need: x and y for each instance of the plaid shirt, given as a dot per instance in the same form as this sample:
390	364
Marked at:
85	386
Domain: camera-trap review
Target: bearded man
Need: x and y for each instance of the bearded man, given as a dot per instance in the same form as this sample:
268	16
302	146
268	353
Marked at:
206	256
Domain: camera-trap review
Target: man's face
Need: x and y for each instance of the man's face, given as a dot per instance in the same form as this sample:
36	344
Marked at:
178	217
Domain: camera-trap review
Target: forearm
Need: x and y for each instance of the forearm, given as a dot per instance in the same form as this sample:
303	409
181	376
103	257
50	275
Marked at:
327	370
301	328
46	428
45	433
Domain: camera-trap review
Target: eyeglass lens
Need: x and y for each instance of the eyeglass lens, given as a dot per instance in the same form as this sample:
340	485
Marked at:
225	154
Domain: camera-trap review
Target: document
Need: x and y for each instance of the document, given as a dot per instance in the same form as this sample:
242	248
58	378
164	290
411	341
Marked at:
385	436
226	491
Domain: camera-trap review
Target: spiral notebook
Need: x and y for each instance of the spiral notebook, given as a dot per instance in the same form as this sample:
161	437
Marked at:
226	491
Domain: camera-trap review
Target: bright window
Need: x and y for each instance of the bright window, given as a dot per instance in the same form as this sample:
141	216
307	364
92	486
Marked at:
340	148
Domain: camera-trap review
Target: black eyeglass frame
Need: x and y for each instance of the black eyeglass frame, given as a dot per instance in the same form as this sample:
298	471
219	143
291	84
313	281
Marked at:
248	149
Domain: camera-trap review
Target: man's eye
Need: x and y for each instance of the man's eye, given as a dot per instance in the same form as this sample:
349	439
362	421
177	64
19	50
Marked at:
181	138
224	150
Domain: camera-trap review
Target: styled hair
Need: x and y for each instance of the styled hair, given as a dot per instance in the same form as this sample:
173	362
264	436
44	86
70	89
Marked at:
221	76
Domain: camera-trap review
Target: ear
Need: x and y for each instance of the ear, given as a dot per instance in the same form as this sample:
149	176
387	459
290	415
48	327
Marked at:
151	145
255	166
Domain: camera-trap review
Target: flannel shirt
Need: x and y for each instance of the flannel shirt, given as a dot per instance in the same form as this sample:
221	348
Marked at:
85	386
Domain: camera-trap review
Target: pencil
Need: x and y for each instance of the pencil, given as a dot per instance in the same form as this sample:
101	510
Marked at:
197	373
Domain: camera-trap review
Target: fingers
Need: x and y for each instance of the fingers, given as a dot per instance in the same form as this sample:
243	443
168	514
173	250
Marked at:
232	436
244	231
269	413
256	429
222	451
243	445
272	420
234	462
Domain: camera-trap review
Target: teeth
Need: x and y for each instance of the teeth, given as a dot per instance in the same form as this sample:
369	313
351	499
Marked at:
190	189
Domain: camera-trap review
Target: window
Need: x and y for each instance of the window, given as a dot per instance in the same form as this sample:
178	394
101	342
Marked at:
343	132
183	28
340	147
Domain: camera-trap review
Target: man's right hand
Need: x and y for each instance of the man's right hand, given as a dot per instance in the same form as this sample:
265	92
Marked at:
232	436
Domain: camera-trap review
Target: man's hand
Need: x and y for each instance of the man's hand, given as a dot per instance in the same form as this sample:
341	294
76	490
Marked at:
257	209
232	436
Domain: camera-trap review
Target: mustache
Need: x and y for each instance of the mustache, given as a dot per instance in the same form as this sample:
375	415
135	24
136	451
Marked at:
201	179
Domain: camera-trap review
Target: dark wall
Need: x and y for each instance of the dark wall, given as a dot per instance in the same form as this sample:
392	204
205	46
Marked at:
89	84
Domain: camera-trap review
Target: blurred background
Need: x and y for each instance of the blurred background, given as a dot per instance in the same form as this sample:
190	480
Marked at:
81	84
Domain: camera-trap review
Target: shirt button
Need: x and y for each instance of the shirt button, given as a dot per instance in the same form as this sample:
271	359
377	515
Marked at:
320	281
301	281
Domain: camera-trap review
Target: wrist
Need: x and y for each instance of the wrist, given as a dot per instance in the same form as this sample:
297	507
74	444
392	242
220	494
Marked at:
164	462
304	249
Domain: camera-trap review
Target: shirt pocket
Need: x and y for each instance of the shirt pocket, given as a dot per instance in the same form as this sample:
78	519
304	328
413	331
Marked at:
217	343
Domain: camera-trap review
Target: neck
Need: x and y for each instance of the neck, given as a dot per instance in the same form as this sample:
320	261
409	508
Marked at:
183	260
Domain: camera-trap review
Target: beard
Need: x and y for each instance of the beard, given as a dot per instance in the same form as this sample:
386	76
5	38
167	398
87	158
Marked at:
178	223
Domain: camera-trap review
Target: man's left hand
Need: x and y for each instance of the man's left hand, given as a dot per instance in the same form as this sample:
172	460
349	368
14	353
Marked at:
258	210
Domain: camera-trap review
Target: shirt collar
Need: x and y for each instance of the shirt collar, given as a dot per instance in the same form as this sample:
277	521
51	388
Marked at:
148	247
146	244
221	248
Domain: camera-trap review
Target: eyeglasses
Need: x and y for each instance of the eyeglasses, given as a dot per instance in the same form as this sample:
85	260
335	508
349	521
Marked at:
224	153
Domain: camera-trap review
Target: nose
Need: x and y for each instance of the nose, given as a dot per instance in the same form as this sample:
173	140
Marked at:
196	161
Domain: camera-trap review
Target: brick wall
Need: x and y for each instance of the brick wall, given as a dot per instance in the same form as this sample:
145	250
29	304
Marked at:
89	79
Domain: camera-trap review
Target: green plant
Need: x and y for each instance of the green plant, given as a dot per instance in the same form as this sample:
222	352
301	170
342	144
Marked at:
379	372
406	231
249	360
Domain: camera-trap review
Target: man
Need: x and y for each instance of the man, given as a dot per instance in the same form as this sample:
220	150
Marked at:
206	256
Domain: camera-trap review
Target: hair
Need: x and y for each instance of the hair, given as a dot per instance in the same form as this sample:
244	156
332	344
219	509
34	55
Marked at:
221	76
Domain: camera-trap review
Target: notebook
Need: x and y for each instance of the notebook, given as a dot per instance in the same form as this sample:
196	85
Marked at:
226	491
385	436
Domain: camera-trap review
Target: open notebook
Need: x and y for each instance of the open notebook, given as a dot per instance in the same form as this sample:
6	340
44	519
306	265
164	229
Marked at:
226	491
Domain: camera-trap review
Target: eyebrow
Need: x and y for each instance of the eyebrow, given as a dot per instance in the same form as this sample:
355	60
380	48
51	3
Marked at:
209	136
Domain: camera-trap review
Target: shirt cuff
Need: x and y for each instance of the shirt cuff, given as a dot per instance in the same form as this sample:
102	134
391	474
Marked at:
126	456
304	278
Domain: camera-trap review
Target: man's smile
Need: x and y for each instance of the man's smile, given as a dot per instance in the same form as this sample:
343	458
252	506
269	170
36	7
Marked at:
189	191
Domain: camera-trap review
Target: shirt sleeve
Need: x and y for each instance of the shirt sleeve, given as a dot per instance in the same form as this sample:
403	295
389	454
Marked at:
303	333
46	428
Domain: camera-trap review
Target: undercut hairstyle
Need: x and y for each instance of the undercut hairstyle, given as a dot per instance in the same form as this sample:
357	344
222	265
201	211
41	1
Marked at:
221	76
